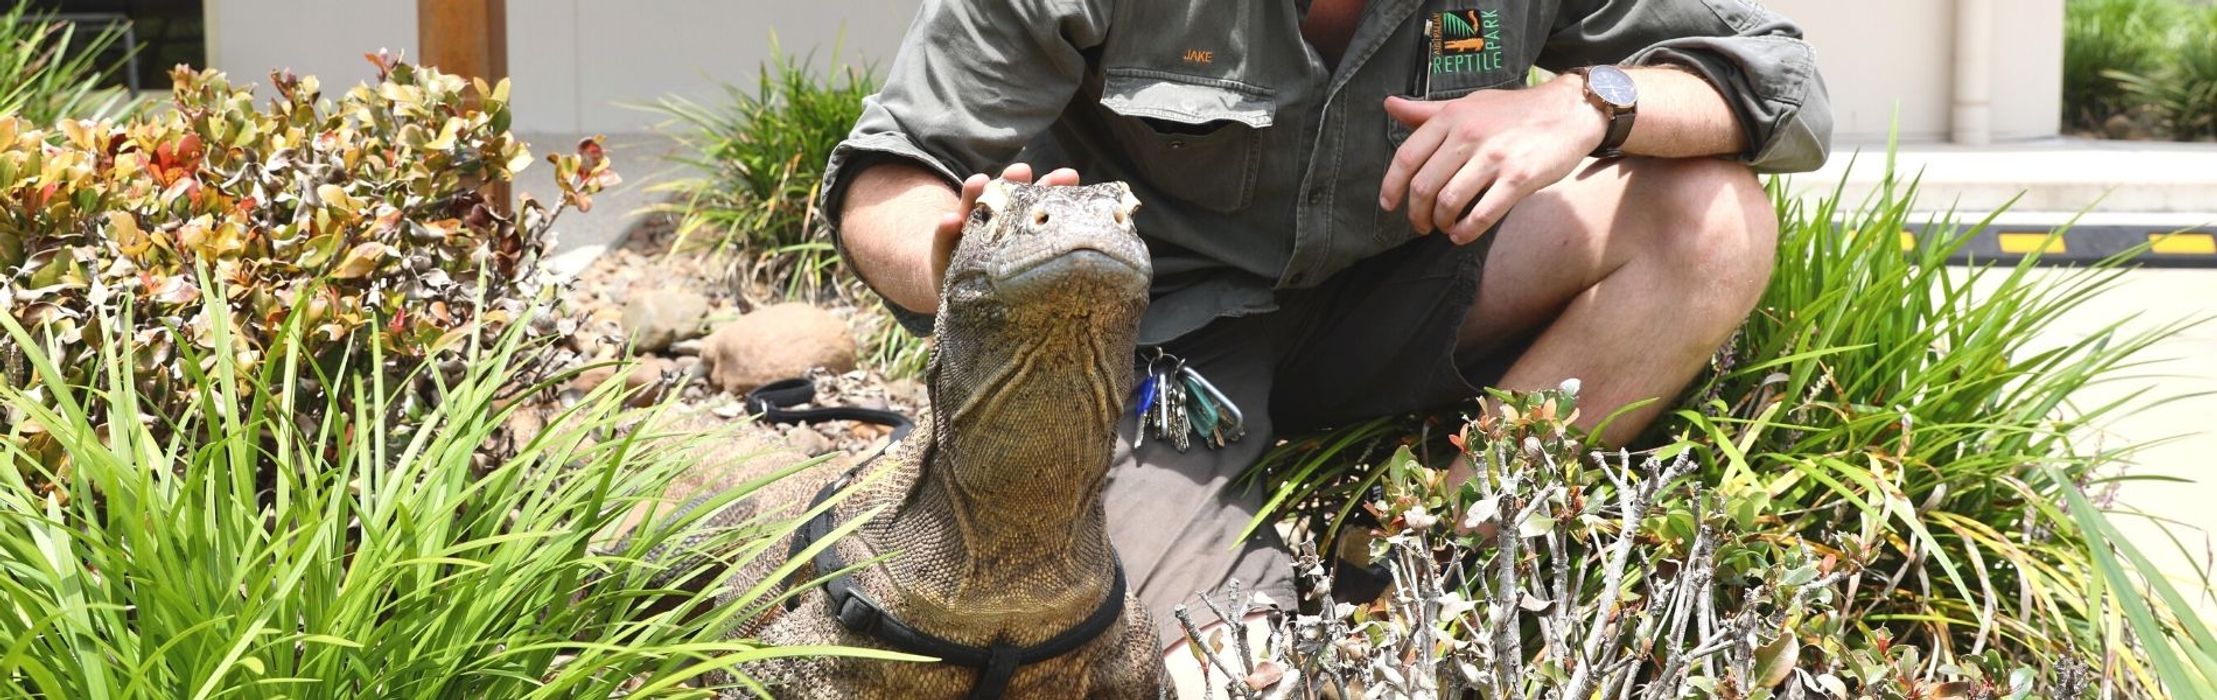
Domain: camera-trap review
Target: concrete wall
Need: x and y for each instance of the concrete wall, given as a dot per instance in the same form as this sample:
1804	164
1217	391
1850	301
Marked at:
326	38
577	63
1888	55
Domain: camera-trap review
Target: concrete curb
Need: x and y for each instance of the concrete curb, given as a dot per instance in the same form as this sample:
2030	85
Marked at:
2054	175
2069	240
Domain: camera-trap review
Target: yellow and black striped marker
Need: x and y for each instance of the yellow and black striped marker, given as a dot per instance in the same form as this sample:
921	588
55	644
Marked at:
2079	245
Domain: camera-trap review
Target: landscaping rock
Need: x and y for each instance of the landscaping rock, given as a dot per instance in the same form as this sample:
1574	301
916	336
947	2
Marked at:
692	367
586	344
606	319
655	319
644	387
592	377
525	423
777	342
807	441
2134	125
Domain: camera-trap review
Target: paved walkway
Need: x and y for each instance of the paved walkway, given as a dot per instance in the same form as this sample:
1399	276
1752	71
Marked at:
2180	438
2056	175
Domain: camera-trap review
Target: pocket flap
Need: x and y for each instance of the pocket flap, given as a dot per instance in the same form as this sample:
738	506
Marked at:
1185	99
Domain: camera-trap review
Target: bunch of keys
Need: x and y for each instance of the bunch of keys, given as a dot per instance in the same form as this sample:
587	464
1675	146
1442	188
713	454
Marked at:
1175	403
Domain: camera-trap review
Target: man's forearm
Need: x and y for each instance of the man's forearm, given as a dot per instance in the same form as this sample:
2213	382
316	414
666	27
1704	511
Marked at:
1682	116
1468	160
888	225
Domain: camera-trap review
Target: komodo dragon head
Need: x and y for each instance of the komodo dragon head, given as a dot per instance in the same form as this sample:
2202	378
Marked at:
1040	312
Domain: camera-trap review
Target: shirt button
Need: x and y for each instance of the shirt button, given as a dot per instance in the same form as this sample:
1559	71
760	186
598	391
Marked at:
1316	197
1176	144
1297	279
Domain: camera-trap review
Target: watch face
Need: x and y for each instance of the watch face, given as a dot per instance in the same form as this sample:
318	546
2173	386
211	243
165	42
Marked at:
1613	86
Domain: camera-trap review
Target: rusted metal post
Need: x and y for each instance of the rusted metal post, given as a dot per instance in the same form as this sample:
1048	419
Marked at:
468	38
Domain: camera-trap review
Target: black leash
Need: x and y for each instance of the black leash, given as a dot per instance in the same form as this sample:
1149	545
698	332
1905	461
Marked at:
774	402
996	663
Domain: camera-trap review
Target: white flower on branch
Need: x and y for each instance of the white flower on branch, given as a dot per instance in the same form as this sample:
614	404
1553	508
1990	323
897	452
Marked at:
1417	518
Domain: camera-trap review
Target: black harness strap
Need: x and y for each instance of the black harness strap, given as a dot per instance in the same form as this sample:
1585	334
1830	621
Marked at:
996	664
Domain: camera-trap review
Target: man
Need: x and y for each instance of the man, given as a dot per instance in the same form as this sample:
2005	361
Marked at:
1353	208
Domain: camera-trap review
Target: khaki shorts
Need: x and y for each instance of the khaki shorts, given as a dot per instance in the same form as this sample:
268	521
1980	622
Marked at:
1376	340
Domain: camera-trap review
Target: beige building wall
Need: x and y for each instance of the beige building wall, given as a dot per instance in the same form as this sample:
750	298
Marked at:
1889	57
577	65
325	38
580	65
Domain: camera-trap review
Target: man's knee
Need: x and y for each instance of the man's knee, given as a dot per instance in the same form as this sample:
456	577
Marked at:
1712	218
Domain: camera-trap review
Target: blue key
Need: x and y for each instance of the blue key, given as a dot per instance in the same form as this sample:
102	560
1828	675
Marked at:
1146	396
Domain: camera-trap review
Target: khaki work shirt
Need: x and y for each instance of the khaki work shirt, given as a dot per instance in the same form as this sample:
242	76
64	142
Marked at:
1258	164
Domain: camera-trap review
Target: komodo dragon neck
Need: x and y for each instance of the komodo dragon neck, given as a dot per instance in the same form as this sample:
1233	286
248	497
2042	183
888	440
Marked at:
1002	526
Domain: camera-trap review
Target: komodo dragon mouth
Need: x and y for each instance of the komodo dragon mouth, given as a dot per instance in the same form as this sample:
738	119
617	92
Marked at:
1062	267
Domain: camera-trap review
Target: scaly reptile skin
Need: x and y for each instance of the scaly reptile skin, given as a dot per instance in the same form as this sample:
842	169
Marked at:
992	507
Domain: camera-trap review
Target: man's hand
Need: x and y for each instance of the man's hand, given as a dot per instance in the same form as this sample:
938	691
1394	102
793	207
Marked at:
949	232
900	224
1494	147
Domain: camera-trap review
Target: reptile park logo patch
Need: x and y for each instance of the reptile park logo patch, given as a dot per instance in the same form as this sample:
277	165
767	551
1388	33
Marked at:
1465	41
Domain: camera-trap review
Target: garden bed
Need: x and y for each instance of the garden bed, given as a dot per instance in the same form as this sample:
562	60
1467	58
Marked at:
705	296
276	402
2140	69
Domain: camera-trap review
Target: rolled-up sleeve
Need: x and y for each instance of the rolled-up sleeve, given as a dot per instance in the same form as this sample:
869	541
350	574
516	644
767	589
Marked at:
972	84
1754	57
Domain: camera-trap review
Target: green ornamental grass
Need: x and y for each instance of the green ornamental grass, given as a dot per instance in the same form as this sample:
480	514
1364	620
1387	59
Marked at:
1892	414
1895	410
52	69
2100	36
2181	89
249	555
2151	60
760	158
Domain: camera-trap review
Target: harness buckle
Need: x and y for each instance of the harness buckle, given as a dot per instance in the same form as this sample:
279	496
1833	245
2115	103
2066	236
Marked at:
858	614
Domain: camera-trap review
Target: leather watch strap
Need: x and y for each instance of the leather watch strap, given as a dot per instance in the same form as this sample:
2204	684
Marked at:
1620	117
1620	130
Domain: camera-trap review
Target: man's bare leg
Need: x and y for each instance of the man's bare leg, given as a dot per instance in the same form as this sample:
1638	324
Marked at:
1632	274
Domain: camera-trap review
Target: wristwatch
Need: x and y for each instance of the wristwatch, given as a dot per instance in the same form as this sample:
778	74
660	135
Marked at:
1611	90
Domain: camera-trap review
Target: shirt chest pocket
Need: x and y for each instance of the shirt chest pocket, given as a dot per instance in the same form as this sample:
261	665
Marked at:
1195	139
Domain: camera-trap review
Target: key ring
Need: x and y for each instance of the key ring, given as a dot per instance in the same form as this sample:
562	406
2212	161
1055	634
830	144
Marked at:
1175	403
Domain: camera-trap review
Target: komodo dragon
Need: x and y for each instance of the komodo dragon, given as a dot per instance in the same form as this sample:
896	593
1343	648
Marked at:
992	514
